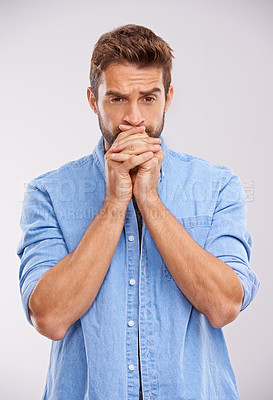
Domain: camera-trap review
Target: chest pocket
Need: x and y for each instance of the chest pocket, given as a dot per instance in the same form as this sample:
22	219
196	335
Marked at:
198	227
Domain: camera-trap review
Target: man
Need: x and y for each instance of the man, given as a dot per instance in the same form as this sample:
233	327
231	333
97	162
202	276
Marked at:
134	257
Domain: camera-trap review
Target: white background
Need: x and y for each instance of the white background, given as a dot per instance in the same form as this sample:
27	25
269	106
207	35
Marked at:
221	111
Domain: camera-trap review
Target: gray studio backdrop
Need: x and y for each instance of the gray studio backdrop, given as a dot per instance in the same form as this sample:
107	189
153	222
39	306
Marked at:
221	111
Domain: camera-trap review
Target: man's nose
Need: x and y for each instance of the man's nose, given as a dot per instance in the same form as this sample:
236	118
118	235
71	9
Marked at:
133	115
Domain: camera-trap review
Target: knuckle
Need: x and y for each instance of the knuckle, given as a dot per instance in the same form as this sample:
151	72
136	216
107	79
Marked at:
117	141
107	156
122	134
142	135
146	154
132	159
154	161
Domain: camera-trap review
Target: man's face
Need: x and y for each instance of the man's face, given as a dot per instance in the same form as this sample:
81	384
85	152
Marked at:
131	96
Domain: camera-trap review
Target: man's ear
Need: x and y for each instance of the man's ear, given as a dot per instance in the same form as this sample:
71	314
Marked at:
92	99
169	98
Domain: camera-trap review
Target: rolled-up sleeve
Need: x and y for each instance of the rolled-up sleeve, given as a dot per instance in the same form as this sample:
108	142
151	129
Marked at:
42	244
228	238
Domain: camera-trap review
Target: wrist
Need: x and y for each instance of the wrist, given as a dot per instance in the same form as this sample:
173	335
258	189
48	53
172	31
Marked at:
148	202
114	208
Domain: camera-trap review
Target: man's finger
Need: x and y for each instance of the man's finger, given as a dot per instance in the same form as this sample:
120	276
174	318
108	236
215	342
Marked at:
124	127
133	161
131	131
136	144
127	130
123	156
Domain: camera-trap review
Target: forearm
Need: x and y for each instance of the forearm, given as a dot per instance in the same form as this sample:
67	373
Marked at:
209	284
66	291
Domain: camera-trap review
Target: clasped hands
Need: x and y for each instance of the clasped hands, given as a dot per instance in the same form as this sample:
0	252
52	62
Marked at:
132	166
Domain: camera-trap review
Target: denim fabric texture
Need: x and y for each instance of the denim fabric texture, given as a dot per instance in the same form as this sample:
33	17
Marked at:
182	356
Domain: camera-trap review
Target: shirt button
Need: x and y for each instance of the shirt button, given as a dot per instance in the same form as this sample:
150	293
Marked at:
131	367
132	282
131	238
131	323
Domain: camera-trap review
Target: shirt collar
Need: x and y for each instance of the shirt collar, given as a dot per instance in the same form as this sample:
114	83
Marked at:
98	155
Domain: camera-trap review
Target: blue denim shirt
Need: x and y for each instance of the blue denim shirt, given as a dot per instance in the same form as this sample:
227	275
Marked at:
181	355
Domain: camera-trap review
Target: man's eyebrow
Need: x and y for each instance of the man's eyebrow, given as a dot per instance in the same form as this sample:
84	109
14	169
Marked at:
155	89
113	93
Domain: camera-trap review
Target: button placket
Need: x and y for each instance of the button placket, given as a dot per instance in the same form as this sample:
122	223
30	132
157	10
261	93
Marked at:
146	323
131	232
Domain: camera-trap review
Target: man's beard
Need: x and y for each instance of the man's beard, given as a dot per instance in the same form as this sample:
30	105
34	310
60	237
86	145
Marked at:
110	136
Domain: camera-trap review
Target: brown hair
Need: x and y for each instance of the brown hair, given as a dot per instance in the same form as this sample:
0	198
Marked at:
133	44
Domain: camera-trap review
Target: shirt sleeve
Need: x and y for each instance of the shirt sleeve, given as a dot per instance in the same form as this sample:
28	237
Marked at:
228	238
42	244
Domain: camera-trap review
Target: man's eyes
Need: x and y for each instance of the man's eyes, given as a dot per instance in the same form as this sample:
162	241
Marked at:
116	100
147	99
